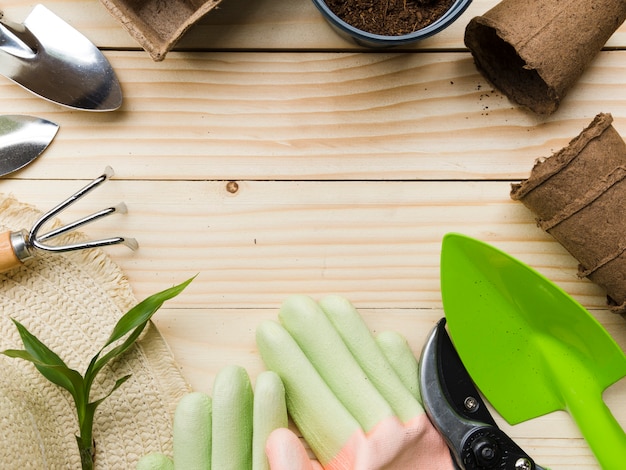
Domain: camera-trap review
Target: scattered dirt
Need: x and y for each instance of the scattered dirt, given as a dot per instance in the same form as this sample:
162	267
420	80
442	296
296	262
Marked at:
389	17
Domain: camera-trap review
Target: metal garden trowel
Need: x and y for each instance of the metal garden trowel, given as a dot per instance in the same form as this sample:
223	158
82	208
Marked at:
48	57
22	139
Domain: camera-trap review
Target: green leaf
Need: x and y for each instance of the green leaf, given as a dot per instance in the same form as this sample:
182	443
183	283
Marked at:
143	311
49	364
99	363
36	348
134	320
118	384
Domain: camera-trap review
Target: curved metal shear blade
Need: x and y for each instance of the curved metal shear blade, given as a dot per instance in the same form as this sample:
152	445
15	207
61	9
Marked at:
458	412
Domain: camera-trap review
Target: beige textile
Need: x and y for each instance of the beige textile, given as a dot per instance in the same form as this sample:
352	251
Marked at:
71	302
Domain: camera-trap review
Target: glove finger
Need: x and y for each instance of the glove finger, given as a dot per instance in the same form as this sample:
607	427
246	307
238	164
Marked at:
305	321
357	337
320	416
286	452
232	419
192	431
269	413
397	351
155	461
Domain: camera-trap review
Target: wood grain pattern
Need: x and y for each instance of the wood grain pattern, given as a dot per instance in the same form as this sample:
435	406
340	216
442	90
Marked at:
315	116
272	157
375	242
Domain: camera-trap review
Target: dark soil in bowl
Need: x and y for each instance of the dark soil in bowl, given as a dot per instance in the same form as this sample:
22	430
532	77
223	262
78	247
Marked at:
389	17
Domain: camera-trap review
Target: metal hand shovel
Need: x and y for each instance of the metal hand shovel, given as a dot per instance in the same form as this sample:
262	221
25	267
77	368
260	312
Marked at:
54	61
22	139
529	347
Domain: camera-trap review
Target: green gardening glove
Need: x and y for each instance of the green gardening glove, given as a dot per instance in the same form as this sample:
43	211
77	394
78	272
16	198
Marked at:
227	431
357	406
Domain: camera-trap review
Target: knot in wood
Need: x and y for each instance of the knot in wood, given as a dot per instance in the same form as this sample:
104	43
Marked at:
232	187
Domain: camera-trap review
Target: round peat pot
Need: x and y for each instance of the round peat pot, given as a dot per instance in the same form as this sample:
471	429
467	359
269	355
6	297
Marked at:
367	39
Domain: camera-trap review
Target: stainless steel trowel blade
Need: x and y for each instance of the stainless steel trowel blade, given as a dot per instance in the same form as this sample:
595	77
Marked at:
50	58
22	139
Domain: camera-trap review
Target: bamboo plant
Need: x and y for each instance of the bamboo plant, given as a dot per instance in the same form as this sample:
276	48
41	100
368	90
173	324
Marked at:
53	368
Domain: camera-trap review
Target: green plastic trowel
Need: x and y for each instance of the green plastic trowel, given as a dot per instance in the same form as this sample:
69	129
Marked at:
530	348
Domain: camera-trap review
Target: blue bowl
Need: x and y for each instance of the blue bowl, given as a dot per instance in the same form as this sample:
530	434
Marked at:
363	38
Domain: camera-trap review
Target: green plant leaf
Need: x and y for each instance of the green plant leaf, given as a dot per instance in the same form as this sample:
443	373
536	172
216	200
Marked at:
99	362
49	364
118	384
36	348
143	311
134	320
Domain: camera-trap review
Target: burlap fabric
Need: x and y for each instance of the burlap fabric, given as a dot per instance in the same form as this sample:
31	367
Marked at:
71	302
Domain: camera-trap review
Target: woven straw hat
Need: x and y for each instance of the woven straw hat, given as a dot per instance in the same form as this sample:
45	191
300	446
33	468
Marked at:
71	302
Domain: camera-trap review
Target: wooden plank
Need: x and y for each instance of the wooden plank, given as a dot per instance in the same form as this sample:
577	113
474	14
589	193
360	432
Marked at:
242	25
325	116
377	243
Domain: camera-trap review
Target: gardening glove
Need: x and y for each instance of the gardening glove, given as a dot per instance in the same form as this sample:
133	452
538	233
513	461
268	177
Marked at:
351	406
227	431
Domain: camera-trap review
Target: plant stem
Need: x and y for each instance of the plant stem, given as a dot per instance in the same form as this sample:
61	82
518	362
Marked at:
87	451
86	446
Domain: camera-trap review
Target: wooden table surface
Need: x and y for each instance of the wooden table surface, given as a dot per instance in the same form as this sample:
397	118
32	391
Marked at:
272	157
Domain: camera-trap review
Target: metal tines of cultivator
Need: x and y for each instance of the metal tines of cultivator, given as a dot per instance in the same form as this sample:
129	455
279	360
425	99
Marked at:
17	247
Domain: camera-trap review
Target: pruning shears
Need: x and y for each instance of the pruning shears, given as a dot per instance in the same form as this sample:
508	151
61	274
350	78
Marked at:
458	412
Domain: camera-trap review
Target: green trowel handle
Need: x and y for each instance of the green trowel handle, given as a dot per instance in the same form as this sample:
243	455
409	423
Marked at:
603	433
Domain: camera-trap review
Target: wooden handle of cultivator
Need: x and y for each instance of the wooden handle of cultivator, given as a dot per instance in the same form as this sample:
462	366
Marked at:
8	258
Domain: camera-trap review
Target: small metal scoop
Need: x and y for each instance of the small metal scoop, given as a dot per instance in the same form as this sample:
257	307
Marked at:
54	61
22	139
17	247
